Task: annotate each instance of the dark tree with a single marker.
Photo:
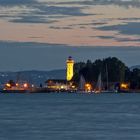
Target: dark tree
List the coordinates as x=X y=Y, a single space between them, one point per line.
x=112 y=69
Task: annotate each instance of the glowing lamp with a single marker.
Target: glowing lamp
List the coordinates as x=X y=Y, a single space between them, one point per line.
x=73 y=86
x=124 y=86
x=17 y=84
x=8 y=85
x=88 y=87
x=25 y=85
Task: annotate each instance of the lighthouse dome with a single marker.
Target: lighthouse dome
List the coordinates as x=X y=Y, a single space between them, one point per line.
x=70 y=58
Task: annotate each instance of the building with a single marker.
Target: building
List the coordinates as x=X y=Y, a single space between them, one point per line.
x=60 y=85
x=70 y=65
x=57 y=84
x=63 y=84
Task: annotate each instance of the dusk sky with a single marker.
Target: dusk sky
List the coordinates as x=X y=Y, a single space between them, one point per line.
x=41 y=34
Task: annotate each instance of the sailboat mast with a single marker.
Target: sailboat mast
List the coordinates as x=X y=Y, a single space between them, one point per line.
x=106 y=77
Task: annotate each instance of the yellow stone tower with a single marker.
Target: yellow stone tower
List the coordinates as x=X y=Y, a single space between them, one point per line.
x=70 y=64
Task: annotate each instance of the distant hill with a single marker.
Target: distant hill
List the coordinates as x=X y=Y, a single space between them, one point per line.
x=33 y=76
x=134 y=67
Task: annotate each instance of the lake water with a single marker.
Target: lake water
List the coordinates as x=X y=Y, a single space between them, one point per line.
x=69 y=117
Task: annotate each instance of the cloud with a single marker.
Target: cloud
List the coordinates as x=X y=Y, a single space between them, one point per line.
x=105 y=37
x=46 y=11
x=125 y=3
x=77 y=23
x=16 y=2
x=127 y=40
x=45 y=14
x=55 y=27
x=120 y=39
x=37 y=12
x=131 y=28
x=4 y=44
x=32 y=19
x=55 y=10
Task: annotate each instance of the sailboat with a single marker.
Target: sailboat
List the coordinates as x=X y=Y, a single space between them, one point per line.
x=82 y=82
x=107 y=90
x=98 y=88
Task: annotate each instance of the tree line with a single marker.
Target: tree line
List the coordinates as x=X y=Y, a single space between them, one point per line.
x=112 y=70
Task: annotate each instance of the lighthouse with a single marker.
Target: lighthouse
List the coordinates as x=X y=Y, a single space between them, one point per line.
x=70 y=65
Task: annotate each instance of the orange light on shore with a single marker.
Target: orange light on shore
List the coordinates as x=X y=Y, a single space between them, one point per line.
x=73 y=86
x=8 y=85
x=25 y=85
x=88 y=87
x=124 y=86
x=17 y=84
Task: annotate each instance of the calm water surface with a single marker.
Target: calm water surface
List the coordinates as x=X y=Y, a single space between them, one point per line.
x=69 y=117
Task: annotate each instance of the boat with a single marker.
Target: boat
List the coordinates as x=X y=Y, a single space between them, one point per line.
x=82 y=83
x=12 y=87
x=99 y=87
x=83 y=86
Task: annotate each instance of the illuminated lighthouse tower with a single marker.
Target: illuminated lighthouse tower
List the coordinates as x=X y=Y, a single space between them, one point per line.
x=70 y=64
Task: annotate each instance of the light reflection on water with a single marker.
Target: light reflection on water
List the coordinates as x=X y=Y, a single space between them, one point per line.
x=69 y=116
